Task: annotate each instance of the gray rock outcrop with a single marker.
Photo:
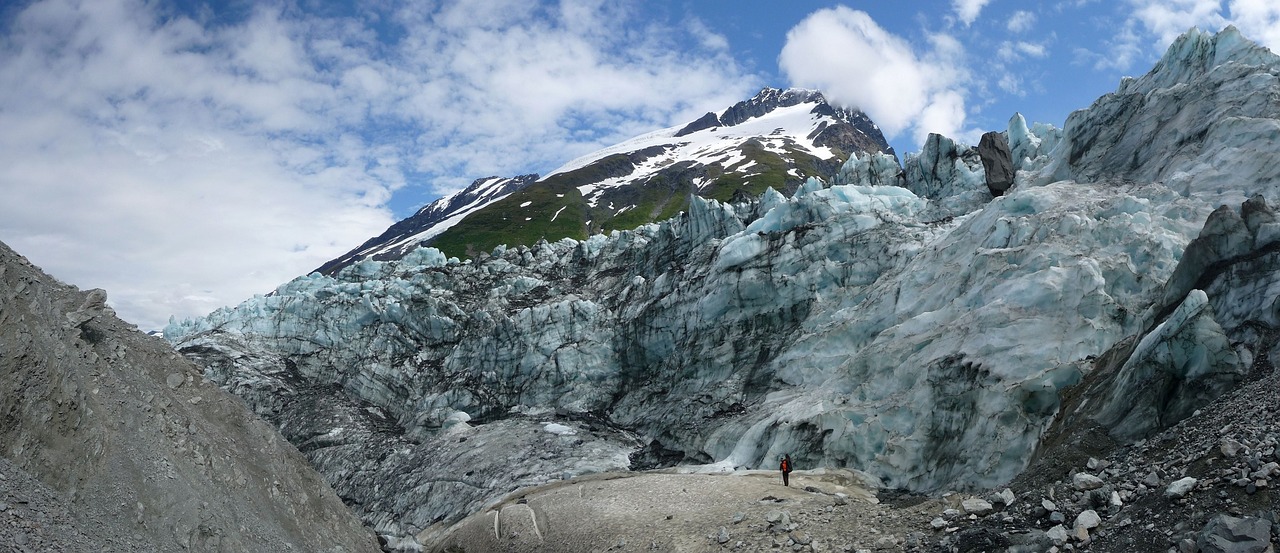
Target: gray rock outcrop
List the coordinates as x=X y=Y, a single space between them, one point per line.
x=997 y=161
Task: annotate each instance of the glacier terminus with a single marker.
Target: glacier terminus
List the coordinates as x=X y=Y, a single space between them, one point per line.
x=894 y=319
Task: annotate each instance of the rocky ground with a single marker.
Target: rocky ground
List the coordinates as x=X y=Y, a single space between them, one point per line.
x=36 y=518
x=1204 y=484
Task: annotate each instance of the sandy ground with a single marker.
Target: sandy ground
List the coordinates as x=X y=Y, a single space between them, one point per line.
x=665 y=511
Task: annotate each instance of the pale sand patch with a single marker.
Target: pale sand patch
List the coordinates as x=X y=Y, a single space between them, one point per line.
x=660 y=510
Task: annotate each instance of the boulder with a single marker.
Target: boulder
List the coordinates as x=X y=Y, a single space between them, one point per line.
x=1229 y=447
x=1088 y=520
x=1180 y=488
x=975 y=506
x=1005 y=497
x=1058 y=534
x=1085 y=481
x=993 y=149
x=1151 y=480
x=1228 y=534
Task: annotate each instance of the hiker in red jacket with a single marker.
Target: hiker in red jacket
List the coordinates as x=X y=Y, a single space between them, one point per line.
x=786 y=469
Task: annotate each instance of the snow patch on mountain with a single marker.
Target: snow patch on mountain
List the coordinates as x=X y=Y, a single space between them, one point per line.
x=486 y=193
x=779 y=130
x=432 y=220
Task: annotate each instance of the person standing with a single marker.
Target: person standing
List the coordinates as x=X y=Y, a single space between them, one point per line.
x=785 y=466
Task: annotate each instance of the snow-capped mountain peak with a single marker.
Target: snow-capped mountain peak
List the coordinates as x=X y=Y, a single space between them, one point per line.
x=792 y=116
x=776 y=139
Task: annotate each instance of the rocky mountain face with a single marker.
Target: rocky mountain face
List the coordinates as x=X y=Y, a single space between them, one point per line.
x=844 y=129
x=431 y=220
x=900 y=320
x=776 y=139
x=111 y=441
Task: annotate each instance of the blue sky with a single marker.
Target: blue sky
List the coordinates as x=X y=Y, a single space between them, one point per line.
x=185 y=155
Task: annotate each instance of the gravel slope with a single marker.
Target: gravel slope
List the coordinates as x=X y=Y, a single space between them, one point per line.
x=112 y=441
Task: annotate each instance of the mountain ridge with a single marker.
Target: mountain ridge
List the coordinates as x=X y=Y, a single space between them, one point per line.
x=641 y=180
x=424 y=224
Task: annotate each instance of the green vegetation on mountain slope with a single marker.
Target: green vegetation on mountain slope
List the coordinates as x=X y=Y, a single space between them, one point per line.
x=555 y=208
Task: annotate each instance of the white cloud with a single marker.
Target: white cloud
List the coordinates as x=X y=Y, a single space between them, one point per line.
x=1152 y=25
x=709 y=38
x=184 y=165
x=1021 y=21
x=553 y=73
x=857 y=63
x=1011 y=84
x=1031 y=49
x=1258 y=20
x=946 y=111
x=1120 y=53
x=1166 y=19
x=1016 y=50
x=968 y=10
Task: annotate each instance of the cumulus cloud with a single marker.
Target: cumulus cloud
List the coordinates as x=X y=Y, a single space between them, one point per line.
x=550 y=69
x=1021 y=21
x=1016 y=50
x=1011 y=84
x=1258 y=20
x=186 y=161
x=1120 y=53
x=968 y=10
x=1166 y=19
x=171 y=164
x=857 y=63
x=1151 y=25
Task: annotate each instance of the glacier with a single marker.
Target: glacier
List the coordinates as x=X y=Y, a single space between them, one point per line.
x=896 y=320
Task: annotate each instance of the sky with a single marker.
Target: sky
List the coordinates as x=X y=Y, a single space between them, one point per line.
x=186 y=155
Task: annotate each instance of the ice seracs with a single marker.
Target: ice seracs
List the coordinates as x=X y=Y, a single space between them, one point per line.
x=1196 y=123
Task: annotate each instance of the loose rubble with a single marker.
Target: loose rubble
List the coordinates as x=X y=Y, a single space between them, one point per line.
x=1203 y=485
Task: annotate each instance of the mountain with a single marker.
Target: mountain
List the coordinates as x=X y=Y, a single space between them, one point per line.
x=434 y=218
x=776 y=139
x=111 y=441
x=904 y=321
